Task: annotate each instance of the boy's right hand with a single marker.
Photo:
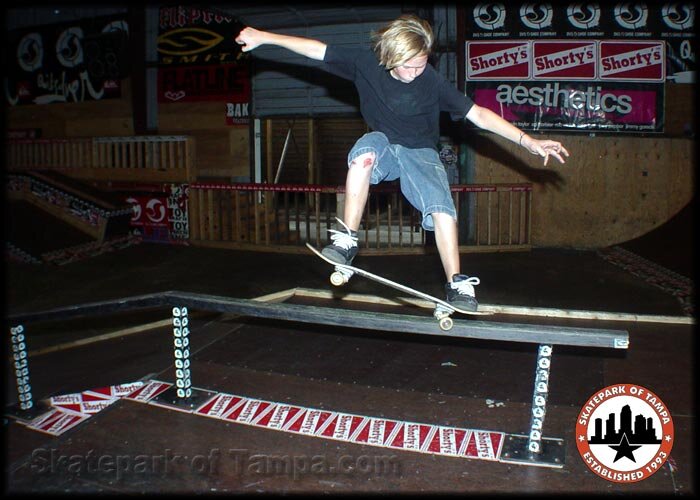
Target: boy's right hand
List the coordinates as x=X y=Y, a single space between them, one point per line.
x=249 y=38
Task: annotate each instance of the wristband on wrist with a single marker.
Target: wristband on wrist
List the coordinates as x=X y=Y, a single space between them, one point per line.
x=520 y=141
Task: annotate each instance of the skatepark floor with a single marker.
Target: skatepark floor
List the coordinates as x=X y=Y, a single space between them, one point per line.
x=483 y=384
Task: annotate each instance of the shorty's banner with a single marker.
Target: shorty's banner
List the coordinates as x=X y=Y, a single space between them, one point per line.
x=612 y=60
x=670 y=21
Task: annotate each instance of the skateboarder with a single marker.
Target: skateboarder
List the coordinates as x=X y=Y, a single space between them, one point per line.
x=401 y=97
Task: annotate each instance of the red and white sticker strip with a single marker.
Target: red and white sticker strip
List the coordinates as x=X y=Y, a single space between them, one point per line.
x=382 y=432
x=71 y=409
x=57 y=421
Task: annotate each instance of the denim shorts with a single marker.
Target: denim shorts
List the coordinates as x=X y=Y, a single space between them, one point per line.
x=422 y=175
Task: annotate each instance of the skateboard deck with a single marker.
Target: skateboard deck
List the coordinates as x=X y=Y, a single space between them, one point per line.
x=442 y=311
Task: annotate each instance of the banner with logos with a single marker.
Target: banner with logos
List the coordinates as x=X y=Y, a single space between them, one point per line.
x=204 y=83
x=159 y=213
x=198 y=60
x=76 y=61
x=578 y=66
x=588 y=85
x=670 y=21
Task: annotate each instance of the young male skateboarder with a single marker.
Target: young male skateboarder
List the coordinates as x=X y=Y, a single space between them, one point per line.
x=401 y=97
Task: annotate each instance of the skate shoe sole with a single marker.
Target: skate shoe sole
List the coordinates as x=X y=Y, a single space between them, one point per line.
x=467 y=303
x=335 y=256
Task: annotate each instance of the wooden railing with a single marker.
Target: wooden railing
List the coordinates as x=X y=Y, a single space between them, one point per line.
x=274 y=217
x=501 y=214
x=284 y=217
x=160 y=158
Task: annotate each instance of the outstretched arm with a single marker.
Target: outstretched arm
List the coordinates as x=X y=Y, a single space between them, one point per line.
x=250 y=38
x=488 y=120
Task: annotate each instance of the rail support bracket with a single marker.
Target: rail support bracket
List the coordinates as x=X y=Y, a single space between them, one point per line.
x=516 y=450
x=189 y=403
x=26 y=415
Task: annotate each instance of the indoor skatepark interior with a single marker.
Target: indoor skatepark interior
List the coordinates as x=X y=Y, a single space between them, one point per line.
x=168 y=331
x=133 y=445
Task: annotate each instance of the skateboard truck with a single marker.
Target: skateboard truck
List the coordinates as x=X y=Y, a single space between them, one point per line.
x=442 y=314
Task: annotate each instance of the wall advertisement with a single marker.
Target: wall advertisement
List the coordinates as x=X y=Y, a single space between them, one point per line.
x=79 y=61
x=198 y=60
x=586 y=66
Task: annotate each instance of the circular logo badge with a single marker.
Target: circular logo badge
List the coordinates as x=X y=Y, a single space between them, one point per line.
x=624 y=433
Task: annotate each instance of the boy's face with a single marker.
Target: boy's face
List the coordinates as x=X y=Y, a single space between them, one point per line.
x=411 y=69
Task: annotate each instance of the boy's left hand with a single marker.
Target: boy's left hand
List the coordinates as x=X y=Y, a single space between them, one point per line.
x=545 y=148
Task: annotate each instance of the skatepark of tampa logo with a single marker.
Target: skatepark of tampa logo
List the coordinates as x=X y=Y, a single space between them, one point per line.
x=624 y=433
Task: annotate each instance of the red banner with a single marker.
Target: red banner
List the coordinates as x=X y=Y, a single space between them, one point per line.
x=191 y=36
x=161 y=216
x=504 y=60
x=564 y=60
x=603 y=60
x=226 y=83
x=199 y=60
x=632 y=61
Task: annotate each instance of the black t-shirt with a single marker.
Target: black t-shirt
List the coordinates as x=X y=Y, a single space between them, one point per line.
x=407 y=113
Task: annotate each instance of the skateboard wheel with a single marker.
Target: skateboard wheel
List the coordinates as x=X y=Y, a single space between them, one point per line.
x=446 y=324
x=337 y=279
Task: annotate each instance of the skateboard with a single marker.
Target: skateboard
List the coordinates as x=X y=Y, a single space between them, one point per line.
x=442 y=312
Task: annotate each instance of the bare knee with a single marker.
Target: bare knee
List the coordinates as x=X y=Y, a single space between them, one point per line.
x=365 y=160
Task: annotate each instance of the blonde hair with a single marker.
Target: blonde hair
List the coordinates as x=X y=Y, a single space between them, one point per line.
x=401 y=40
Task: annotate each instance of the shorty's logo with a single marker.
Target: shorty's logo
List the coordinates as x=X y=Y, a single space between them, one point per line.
x=624 y=433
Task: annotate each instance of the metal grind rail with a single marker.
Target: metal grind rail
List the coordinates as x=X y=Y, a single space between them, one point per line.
x=530 y=449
